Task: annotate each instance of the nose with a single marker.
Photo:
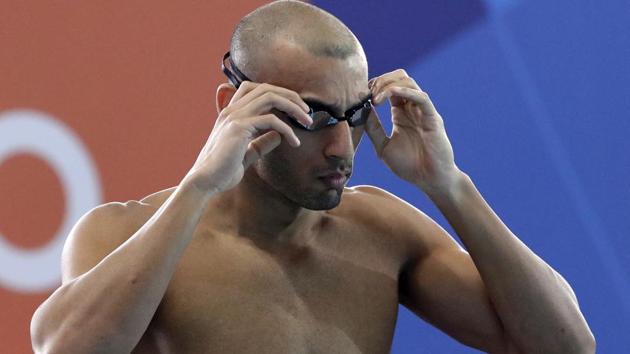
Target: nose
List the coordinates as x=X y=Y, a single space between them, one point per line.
x=338 y=141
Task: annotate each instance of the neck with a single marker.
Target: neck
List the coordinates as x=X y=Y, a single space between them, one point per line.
x=253 y=209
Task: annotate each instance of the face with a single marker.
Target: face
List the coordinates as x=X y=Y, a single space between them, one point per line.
x=303 y=174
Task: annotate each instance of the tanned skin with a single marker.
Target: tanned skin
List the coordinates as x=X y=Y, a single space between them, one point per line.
x=253 y=252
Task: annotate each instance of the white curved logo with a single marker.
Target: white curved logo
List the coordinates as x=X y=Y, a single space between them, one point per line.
x=33 y=132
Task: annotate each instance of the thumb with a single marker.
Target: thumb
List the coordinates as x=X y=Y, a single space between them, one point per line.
x=376 y=132
x=261 y=146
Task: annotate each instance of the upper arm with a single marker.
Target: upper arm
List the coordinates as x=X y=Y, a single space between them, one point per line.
x=440 y=283
x=94 y=236
x=445 y=288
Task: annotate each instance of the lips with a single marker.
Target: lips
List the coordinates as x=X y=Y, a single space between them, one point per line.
x=334 y=180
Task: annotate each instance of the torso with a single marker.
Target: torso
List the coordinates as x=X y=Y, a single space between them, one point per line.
x=339 y=294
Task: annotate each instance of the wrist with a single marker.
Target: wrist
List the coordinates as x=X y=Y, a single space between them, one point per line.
x=190 y=187
x=449 y=188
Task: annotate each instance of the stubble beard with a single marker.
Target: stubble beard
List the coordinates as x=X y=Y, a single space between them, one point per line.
x=281 y=176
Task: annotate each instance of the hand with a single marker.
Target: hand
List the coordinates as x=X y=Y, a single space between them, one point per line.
x=244 y=131
x=418 y=149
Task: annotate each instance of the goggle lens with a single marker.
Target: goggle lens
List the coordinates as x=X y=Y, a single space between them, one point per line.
x=322 y=119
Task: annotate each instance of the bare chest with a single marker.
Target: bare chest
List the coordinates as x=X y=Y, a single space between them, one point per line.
x=230 y=296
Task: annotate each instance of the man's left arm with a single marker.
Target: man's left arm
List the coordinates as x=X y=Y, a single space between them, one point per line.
x=536 y=307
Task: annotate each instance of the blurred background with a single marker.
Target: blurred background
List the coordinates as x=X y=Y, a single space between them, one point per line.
x=112 y=100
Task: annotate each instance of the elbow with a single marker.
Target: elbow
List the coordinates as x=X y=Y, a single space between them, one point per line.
x=48 y=334
x=582 y=343
x=41 y=338
x=39 y=333
x=52 y=342
x=47 y=348
x=53 y=333
x=576 y=341
x=585 y=339
x=51 y=346
x=44 y=336
x=587 y=343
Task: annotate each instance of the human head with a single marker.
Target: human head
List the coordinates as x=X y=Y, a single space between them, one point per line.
x=303 y=48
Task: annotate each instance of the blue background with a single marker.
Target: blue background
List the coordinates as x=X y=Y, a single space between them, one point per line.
x=536 y=103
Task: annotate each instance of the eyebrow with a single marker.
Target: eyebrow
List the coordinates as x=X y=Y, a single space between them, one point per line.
x=332 y=108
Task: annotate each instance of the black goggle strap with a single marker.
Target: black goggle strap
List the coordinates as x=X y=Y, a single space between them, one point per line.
x=235 y=76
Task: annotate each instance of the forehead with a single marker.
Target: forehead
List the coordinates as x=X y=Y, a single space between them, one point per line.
x=338 y=82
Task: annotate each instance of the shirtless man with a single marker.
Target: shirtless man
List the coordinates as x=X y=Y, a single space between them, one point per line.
x=257 y=251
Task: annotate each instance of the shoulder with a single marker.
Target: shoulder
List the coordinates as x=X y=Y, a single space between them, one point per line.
x=382 y=210
x=368 y=196
x=103 y=228
x=124 y=215
x=381 y=205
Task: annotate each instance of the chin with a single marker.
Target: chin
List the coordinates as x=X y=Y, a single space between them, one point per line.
x=323 y=201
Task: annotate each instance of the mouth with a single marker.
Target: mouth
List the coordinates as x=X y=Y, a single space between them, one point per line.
x=336 y=180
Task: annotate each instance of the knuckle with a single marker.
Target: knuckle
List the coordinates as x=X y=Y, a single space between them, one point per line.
x=269 y=95
x=225 y=112
x=223 y=117
x=246 y=85
x=243 y=88
x=294 y=95
x=235 y=124
x=230 y=124
x=268 y=118
x=401 y=72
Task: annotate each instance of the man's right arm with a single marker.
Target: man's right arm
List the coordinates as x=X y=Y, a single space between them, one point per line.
x=107 y=300
x=111 y=292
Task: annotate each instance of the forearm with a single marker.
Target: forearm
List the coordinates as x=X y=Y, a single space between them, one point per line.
x=108 y=308
x=536 y=307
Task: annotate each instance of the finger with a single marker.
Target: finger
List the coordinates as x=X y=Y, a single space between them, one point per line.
x=420 y=98
x=261 y=146
x=376 y=133
x=377 y=83
x=269 y=121
x=245 y=88
x=270 y=100
x=388 y=77
x=406 y=81
x=251 y=90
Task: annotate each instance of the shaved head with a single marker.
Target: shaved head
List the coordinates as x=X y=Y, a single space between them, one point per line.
x=289 y=24
x=299 y=47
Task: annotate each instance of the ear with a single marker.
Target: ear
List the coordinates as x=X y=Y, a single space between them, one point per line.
x=225 y=92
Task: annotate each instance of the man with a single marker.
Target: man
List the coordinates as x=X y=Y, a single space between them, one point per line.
x=262 y=249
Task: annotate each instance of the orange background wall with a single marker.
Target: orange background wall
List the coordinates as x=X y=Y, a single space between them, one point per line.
x=134 y=80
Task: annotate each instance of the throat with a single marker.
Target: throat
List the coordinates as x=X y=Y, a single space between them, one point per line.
x=269 y=222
